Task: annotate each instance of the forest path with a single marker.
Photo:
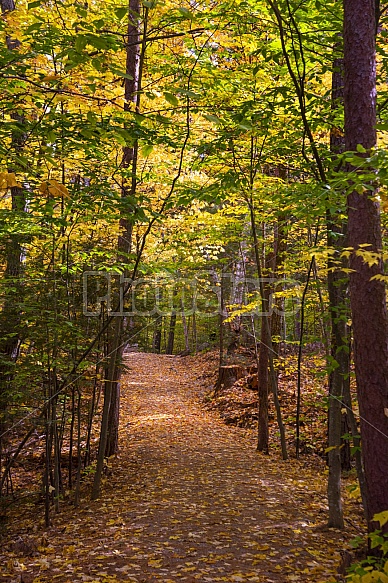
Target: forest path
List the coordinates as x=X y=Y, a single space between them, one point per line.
x=189 y=499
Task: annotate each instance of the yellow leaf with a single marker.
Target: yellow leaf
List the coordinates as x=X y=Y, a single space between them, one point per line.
x=53 y=188
x=111 y=522
x=381 y=517
x=69 y=550
x=51 y=77
x=354 y=491
x=8 y=180
x=155 y=563
x=11 y=180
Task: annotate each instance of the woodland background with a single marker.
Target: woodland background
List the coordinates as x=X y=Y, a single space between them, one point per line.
x=178 y=178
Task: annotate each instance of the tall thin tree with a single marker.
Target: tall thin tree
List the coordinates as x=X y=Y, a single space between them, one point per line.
x=110 y=419
x=12 y=284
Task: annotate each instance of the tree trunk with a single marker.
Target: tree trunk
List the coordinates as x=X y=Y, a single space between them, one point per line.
x=265 y=321
x=339 y=345
x=195 y=334
x=171 y=332
x=237 y=293
x=262 y=377
x=185 y=329
x=278 y=320
x=157 y=339
x=227 y=376
x=112 y=377
x=103 y=441
x=12 y=297
x=367 y=295
x=129 y=160
x=132 y=85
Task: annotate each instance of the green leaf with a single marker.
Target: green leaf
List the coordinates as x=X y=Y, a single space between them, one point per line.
x=91 y=117
x=51 y=137
x=34 y=4
x=121 y=12
x=33 y=27
x=162 y=119
x=186 y=13
x=98 y=42
x=80 y=43
x=81 y=11
x=86 y=133
x=360 y=148
x=146 y=150
x=96 y=64
x=189 y=93
x=212 y=118
x=121 y=73
x=171 y=98
x=99 y=23
x=139 y=118
x=245 y=126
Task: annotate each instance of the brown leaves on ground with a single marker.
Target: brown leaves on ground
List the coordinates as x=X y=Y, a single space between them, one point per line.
x=188 y=499
x=238 y=404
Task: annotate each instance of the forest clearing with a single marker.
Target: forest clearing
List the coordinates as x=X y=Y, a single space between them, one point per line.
x=186 y=499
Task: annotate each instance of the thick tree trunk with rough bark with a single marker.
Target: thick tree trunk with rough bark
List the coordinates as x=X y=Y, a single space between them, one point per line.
x=367 y=295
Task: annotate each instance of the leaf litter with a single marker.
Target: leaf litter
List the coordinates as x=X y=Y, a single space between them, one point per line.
x=187 y=499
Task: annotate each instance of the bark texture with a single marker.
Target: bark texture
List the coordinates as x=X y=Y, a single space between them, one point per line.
x=368 y=297
x=129 y=161
x=13 y=272
x=337 y=287
x=263 y=375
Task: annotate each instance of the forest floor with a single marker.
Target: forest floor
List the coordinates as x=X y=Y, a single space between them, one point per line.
x=187 y=499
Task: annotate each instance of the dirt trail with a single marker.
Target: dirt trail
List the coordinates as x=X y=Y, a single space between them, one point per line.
x=189 y=499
